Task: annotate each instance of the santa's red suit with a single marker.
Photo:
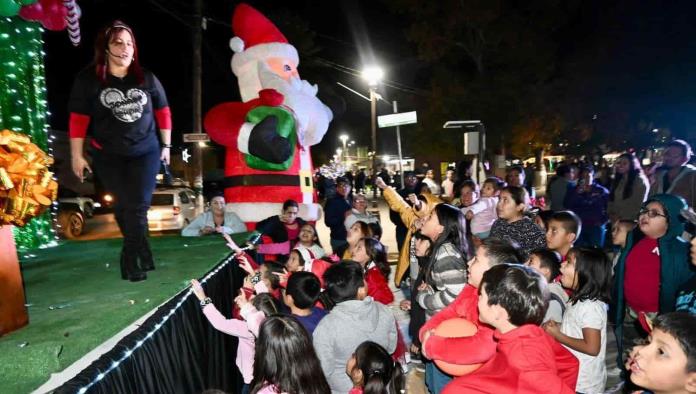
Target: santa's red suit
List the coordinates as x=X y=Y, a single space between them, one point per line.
x=263 y=172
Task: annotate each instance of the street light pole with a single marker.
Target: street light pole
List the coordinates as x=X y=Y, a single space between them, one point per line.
x=373 y=120
x=344 y=140
x=373 y=75
x=398 y=146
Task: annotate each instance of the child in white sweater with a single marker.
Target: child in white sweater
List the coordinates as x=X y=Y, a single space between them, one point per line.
x=482 y=213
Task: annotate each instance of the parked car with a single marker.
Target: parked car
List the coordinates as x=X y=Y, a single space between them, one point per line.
x=172 y=208
x=72 y=213
x=86 y=204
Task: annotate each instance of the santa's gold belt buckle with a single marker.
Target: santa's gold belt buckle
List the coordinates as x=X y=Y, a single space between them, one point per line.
x=306 y=184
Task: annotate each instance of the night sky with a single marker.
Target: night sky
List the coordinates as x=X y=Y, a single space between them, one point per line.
x=620 y=57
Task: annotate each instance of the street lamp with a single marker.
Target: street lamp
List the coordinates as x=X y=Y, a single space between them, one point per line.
x=373 y=74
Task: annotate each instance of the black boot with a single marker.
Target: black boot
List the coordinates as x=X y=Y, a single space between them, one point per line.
x=124 y=273
x=147 y=263
x=134 y=273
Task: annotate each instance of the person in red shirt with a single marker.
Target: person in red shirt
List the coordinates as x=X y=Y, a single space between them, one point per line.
x=513 y=299
x=495 y=375
x=372 y=256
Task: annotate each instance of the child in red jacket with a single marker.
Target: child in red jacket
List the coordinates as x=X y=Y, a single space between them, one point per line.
x=513 y=299
x=372 y=256
x=495 y=375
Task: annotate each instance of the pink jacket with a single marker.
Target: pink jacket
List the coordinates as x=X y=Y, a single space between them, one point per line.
x=484 y=214
x=246 y=330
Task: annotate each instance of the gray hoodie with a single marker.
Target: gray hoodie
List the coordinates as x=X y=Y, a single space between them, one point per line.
x=349 y=324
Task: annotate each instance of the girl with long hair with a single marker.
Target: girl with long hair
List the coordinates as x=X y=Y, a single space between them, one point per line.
x=372 y=256
x=444 y=275
x=372 y=371
x=588 y=273
x=285 y=360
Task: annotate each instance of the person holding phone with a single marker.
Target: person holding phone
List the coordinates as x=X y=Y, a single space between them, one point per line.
x=123 y=105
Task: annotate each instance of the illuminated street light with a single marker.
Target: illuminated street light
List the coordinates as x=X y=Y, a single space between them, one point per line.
x=372 y=74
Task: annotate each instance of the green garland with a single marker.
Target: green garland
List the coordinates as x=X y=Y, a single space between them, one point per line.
x=23 y=106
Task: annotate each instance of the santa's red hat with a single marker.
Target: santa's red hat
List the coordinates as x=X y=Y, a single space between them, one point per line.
x=256 y=38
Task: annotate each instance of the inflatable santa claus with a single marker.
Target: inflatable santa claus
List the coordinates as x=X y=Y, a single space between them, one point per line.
x=268 y=135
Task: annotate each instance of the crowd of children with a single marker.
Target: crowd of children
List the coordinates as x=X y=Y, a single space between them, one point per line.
x=541 y=307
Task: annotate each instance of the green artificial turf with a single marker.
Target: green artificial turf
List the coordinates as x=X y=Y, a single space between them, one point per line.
x=78 y=300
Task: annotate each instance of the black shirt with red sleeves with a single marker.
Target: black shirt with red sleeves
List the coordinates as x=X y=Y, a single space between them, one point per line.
x=121 y=111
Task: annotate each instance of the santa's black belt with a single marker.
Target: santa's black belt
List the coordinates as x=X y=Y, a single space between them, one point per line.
x=266 y=180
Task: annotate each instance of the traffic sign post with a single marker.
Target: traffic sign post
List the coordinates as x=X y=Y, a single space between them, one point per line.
x=196 y=137
x=398 y=119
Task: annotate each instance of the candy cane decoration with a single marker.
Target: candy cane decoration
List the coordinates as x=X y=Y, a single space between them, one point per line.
x=73 y=21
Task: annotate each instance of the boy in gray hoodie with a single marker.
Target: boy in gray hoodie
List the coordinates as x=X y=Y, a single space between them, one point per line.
x=356 y=318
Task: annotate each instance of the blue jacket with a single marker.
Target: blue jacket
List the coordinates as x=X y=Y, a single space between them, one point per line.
x=335 y=214
x=675 y=266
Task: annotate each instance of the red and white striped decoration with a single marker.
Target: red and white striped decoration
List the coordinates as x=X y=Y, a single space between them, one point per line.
x=73 y=19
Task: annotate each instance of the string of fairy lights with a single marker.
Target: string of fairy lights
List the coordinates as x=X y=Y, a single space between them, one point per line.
x=128 y=353
x=24 y=109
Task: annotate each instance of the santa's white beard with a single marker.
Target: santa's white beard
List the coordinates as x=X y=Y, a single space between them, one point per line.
x=313 y=117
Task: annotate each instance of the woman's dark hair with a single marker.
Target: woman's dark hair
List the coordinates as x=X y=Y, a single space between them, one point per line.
x=101 y=48
x=376 y=230
x=265 y=303
x=518 y=194
x=454 y=225
x=468 y=183
x=378 y=255
x=284 y=357
x=290 y=203
x=520 y=290
x=593 y=271
x=680 y=325
x=381 y=374
x=273 y=267
x=635 y=170
x=549 y=259
x=343 y=280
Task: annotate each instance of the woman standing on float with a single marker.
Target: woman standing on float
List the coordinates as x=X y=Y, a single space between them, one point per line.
x=122 y=105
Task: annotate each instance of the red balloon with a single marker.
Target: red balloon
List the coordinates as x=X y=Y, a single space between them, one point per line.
x=32 y=13
x=54 y=15
x=455 y=328
x=54 y=22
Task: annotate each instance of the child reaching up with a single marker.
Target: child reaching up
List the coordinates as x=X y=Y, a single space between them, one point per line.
x=370 y=254
x=372 y=371
x=254 y=313
x=584 y=329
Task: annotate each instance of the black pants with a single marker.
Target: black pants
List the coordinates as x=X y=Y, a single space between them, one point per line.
x=132 y=181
